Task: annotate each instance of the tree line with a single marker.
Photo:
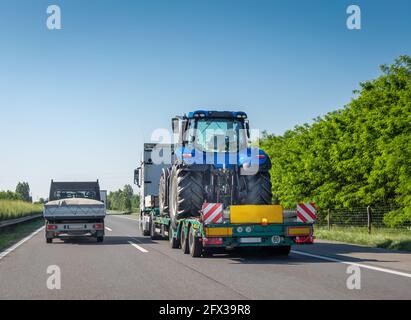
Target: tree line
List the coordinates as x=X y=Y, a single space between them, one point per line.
x=22 y=193
x=356 y=156
x=124 y=200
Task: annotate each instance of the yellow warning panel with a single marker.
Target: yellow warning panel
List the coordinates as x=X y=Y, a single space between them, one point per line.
x=256 y=214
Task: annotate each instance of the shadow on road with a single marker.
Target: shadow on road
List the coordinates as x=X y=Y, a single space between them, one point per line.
x=108 y=240
x=336 y=251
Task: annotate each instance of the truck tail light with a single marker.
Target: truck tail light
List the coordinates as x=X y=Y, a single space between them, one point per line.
x=98 y=226
x=212 y=241
x=304 y=239
x=51 y=227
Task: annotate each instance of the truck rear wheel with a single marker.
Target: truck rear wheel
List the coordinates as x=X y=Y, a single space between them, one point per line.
x=186 y=194
x=153 y=233
x=100 y=239
x=184 y=241
x=49 y=240
x=174 y=242
x=258 y=189
x=194 y=244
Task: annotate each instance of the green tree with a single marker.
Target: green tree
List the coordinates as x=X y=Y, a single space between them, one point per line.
x=23 y=190
x=357 y=156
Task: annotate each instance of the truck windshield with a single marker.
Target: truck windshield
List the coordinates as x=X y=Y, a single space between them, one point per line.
x=217 y=135
x=66 y=194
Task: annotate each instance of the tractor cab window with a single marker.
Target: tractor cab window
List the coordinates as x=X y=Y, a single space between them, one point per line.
x=216 y=135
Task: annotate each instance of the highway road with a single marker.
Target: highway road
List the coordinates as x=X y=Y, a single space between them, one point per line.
x=129 y=266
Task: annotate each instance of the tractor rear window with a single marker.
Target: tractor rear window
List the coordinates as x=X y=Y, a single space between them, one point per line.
x=218 y=135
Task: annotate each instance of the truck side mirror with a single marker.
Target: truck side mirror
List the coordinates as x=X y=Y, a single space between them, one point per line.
x=174 y=125
x=247 y=128
x=137 y=177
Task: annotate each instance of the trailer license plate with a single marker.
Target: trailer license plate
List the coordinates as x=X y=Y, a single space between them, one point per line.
x=250 y=240
x=75 y=226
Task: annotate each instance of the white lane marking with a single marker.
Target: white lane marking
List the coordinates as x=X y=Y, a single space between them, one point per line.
x=108 y=229
x=18 y=244
x=125 y=218
x=365 y=266
x=138 y=247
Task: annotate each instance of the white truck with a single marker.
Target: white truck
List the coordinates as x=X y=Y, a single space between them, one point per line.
x=74 y=209
x=156 y=157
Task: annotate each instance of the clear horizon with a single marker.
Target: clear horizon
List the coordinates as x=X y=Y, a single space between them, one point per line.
x=78 y=103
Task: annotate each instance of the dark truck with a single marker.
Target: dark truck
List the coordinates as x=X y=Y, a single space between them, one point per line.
x=74 y=209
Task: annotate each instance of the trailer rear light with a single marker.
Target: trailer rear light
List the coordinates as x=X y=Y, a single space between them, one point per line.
x=304 y=239
x=264 y=221
x=98 y=226
x=51 y=227
x=212 y=241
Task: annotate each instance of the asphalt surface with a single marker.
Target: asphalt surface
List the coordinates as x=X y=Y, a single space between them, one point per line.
x=129 y=266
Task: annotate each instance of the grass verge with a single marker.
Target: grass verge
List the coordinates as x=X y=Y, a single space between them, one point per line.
x=379 y=238
x=11 y=235
x=13 y=209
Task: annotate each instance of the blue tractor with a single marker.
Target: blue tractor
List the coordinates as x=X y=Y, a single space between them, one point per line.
x=214 y=163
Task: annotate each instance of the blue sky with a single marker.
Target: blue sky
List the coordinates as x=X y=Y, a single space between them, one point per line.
x=78 y=103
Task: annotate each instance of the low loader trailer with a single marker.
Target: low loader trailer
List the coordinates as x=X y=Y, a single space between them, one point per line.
x=236 y=227
x=211 y=189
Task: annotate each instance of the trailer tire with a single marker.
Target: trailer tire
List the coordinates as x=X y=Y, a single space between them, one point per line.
x=258 y=189
x=49 y=240
x=184 y=241
x=186 y=194
x=194 y=244
x=174 y=242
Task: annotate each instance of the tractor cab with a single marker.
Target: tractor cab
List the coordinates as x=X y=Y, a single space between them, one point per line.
x=213 y=131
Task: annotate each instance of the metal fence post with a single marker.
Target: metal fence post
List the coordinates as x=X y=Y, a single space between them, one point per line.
x=328 y=220
x=369 y=219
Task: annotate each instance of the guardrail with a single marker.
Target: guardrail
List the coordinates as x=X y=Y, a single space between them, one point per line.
x=11 y=222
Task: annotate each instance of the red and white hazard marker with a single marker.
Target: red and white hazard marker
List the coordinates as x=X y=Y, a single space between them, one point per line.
x=212 y=213
x=306 y=212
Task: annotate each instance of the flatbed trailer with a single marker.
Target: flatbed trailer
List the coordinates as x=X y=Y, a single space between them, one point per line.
x=197 y=238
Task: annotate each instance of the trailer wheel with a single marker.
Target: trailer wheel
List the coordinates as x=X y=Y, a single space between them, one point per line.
x=49 y=240
x=174 y=243
x=258 y=189
x=184 y=241
x=194 y=244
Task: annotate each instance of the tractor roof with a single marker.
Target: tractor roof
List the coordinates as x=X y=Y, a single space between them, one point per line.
x=216 y=114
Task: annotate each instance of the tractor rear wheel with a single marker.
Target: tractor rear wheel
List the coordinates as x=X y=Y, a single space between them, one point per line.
x=186 y=194
x=258 y=189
